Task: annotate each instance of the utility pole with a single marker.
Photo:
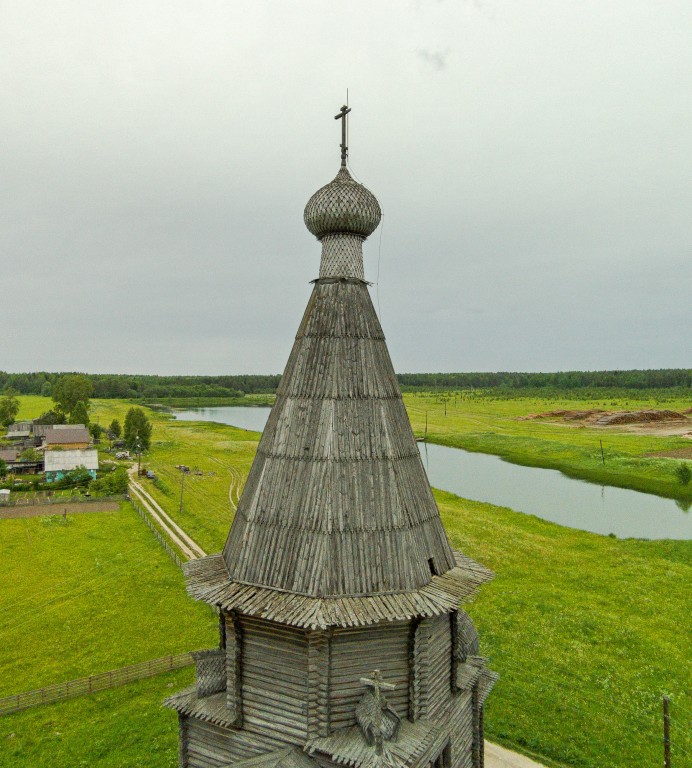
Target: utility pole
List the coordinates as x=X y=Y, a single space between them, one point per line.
x=139 y=457
x=666 y=732
x=182 y=486
x=602 y=456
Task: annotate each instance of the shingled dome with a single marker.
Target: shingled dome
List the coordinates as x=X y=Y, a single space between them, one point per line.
x=342 y=206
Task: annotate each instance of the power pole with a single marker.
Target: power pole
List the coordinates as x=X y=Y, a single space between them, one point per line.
x=666 y=732
x=182 y=488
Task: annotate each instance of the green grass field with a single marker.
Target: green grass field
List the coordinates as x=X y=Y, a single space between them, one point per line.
x=586 y=631
x=87 y=594
x=122 y=728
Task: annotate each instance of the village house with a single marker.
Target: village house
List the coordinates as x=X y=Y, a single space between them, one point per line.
x=20 y=430
x=67 y=437
x=57 y=463
x=11 y=458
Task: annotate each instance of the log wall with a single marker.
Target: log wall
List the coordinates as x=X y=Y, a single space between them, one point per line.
x=355 y=653
x=431 y=659
x=275 y=679
x=210 y=746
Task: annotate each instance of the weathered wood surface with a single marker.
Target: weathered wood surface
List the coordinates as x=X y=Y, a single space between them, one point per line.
x=208 y=580
x=210 y=671
x=232 y=638
x=337 y=565
x=319 y=682
x=355 y=654
x=337 y=501
x=214 y=746
x=275 y=680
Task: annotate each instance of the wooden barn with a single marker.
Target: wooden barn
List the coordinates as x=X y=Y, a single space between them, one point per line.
x=342 y=639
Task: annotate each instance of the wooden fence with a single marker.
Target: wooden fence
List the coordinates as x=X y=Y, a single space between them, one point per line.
x=175 y=557
x=93 y=683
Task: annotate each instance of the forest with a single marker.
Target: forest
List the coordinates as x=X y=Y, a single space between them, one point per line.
x=150 y=388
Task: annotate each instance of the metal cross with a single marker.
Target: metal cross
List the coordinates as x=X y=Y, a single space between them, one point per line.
x=342 y=116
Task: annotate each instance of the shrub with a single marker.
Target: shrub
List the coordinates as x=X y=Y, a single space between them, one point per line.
x=683 y=473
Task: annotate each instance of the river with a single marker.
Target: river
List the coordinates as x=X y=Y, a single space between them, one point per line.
x=546 y=493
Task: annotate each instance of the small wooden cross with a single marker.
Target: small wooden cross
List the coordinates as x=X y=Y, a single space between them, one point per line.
x=378 y=685
x=376 y=682
x=342 y=116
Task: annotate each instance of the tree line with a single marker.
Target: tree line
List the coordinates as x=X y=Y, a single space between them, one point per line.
x=148 y=388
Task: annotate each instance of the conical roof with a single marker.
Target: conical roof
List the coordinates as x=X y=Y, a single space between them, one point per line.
x=337 y=502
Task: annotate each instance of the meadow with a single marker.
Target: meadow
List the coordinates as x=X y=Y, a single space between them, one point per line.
x=586 y=631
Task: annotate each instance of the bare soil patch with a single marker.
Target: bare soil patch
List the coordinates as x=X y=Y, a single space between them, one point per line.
x=678 y=453
x=652 y=422
x=41 y=510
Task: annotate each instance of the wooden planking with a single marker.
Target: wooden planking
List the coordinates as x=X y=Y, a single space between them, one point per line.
x=182 y=742
x=275 y=680
x=355 y=653
x=211 y=746
x=440 y=669
x=233 y=635
x=432 y=668
x=319 y=682
x=461 y=730
x=337 y=501
x=205 y=581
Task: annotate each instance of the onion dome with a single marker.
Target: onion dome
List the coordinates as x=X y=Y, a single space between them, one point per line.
x=342 y=207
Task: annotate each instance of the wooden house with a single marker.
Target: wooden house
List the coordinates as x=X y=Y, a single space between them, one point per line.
x=19 y=430
x=342 y=639
x=57 y=463
x=67 y=437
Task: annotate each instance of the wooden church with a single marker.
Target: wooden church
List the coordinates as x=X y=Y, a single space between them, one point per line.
x=342 y=640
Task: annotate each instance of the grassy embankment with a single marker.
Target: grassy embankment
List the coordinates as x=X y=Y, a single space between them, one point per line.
x=586 y=631
x=492 y=425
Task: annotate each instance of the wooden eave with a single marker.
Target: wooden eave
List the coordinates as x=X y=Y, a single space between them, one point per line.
x=417 y=744
x=208 y=580
x=212 y=709
x=291 y=757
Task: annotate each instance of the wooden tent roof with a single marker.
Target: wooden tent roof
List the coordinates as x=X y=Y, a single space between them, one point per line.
x=337 y=502
x=337 y=524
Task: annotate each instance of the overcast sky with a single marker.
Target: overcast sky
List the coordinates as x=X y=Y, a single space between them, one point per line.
x=533 y=161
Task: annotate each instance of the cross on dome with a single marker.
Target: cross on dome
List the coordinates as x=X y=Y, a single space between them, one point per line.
x=344 y=148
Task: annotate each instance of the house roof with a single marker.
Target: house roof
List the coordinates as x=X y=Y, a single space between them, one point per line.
x=67 y=435
x=19 y=429
x=65 y=461
x=9 y=454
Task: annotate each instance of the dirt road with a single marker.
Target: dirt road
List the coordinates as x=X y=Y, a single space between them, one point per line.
x=40 y=510
x=175 y=533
